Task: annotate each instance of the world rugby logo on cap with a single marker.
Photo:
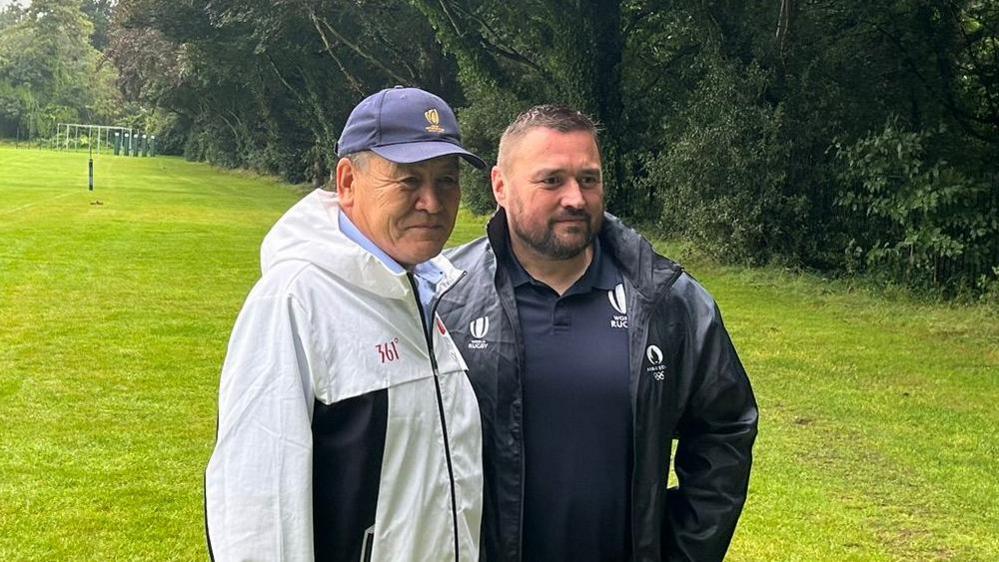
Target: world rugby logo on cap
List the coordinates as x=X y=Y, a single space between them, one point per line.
x=434 y=119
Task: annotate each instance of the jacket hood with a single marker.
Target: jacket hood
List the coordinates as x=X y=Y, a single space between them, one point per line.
x=310 y=232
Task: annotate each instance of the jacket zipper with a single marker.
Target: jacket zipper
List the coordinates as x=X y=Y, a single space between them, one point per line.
x=428 y=334
x=523 y=461
x=634 y=400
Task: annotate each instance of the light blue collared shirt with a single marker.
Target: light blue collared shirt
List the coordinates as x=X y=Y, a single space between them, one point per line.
x=427 y=274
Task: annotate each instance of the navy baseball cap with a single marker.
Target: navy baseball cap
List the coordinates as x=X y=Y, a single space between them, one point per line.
x=404 y=125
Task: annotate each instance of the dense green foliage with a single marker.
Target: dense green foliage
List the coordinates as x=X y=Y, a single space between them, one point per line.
x=926 y=218
x=755 y=144
x=49 y=70
x=840 y=135
x=267 y=84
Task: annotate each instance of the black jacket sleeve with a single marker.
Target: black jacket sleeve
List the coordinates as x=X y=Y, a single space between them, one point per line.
x=716 y=432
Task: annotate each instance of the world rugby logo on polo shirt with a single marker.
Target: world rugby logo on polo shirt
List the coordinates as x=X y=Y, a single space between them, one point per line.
x=479 y=328
x=656 y=367
x=620 y=305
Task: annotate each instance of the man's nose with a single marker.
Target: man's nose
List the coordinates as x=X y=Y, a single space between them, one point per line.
x=429 y=200
x=572 y=195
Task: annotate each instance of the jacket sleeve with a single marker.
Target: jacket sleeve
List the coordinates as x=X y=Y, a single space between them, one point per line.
x=716 y=434
x=258 y=485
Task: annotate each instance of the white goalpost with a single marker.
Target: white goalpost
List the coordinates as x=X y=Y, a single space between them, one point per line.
x=99 y=137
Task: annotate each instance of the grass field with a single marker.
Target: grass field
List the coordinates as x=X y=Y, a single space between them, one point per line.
x=878 y=437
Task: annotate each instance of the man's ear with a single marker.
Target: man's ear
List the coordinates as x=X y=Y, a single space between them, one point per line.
x=499 y=186
x=345 y=176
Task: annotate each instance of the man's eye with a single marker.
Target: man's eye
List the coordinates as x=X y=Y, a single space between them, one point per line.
x=448 y=181
x=410 y=182
x=552 y=181
x=589 y=181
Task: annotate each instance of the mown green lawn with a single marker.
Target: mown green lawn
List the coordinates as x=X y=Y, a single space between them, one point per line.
x=878 y=428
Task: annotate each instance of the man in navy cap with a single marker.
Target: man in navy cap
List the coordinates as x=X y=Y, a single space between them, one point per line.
x=347 y=428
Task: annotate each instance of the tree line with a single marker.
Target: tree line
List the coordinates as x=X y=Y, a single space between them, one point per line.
x=841 y=135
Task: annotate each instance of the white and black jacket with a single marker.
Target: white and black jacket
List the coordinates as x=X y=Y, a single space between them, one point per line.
x=346 y=430
x=686 y=383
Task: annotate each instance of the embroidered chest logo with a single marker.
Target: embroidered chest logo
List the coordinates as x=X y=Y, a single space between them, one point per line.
x=479 y=328
x=388 y=352
x=620 y=305
x=656 y=367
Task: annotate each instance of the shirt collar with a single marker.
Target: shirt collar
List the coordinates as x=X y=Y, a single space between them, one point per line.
x=426 y=270
x=605 y=271
x=518 y=275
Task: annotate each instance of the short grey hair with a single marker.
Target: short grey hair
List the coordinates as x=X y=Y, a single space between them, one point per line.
x=560 y=118
x=360 y=159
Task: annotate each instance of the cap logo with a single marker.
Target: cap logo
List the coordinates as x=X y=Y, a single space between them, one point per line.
x=434 y=119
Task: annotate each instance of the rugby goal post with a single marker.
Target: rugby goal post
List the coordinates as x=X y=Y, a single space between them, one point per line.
x=70 y=136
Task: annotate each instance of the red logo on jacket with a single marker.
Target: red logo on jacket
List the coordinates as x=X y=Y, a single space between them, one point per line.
x=388 y=351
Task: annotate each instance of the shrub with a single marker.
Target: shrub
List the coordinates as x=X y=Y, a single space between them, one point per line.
x=721 y=180
x=922 y=222
x=481 y=127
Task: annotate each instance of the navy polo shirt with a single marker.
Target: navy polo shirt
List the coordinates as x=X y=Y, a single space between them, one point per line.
x=577 y=415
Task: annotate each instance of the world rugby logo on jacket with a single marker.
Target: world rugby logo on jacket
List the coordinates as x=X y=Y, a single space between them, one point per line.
x=619 y=303
x=479 y=328
x=656 y=366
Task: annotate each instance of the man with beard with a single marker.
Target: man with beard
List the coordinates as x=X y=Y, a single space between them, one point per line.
x=589 y=353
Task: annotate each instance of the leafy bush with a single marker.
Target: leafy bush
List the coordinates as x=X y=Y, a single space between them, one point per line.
x=481 y=127
x=721 y=181
x=920 y=221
